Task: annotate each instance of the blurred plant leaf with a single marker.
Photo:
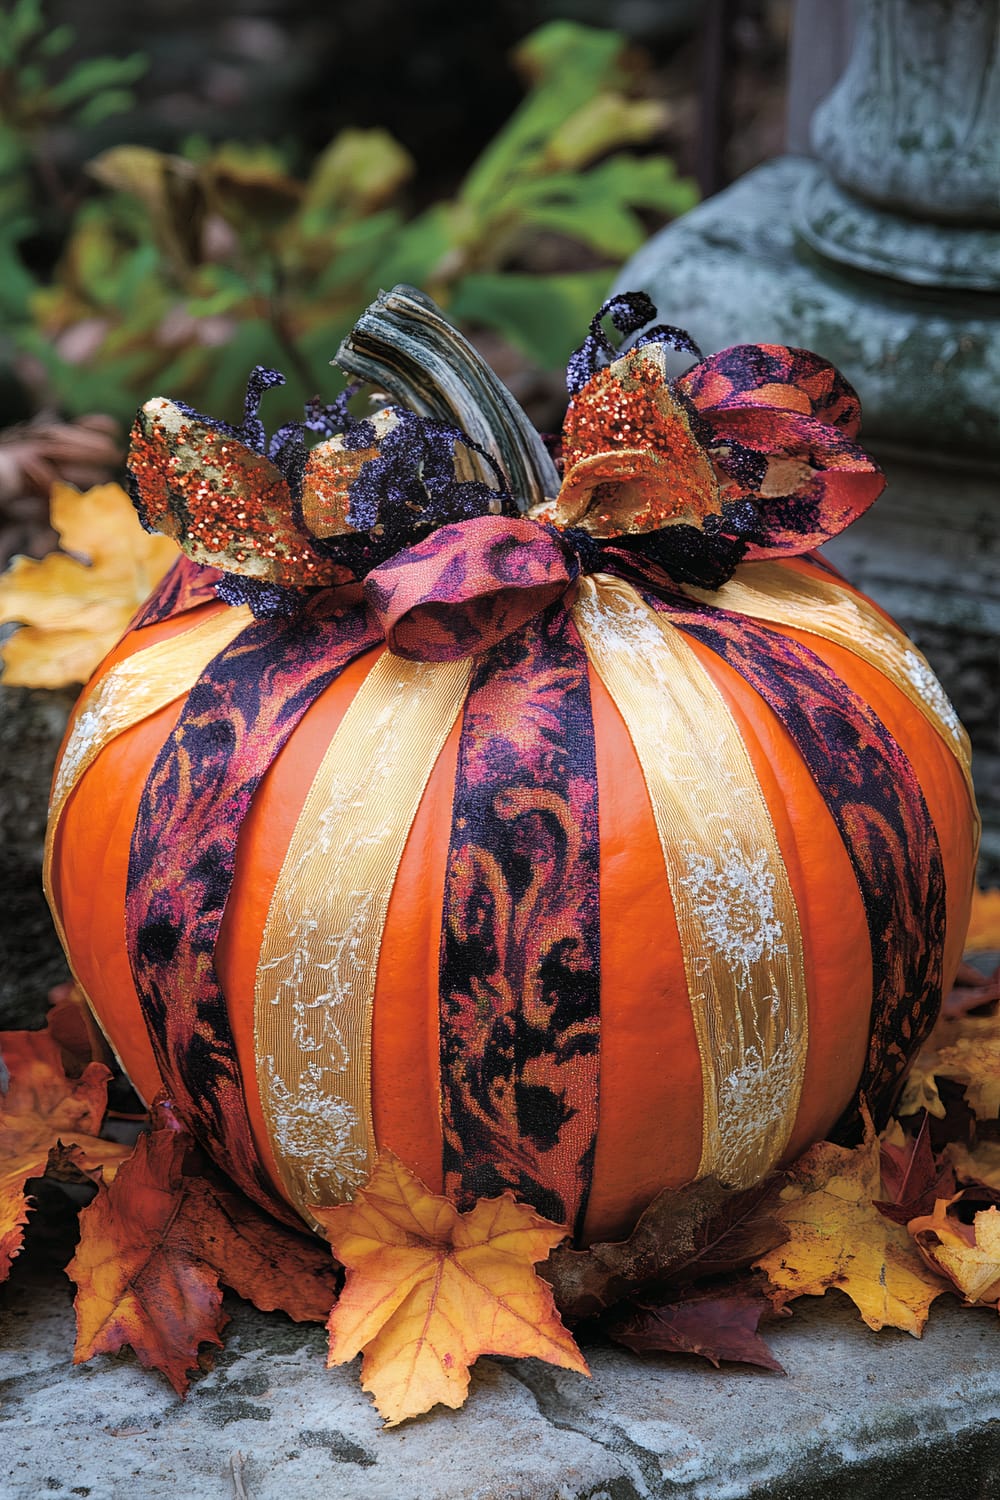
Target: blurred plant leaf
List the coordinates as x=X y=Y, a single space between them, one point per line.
x=190 y=269
x=358 y=172
x=542 y=315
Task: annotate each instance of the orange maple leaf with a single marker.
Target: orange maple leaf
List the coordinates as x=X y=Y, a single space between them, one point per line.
x=984 y=921
x=429 y=1289
x=968 y=1254
x=839 y=1239
x=42 y=1109
x=72 y=612
x=155 y=1246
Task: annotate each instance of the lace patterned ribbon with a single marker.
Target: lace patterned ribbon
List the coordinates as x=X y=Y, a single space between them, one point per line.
x=733 y=901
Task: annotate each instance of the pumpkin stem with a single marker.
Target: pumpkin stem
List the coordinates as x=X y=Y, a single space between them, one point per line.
x=404 y=344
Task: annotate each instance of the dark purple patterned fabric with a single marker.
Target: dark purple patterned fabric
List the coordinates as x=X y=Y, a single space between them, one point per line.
x=520 y=959
x=235 y=720
x=185 y=586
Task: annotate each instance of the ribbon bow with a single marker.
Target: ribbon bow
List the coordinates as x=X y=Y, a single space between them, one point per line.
x=748 y=455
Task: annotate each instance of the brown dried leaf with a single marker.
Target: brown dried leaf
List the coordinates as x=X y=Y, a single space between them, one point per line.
x=720 y=1326
x=139 y=1276
x=703 y=1229
x=912 y=1177
x=261 y=1260
x=41 y=1109
x=155 y=1246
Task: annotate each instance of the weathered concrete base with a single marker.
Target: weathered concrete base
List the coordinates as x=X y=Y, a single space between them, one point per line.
x=860 y=1415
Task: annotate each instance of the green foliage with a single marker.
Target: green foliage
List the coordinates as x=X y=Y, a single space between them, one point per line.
x=186 y=270
x=31 y=101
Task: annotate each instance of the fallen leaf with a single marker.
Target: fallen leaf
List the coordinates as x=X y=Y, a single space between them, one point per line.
x=912 y=1177
x=430 y=1289
x=920 y=1090
x=976 y=1061
x=40 y=1109
x=71 y=611
x=973 y=1060
x=984 y=922
x=968 y=1254
x=978 y=1163
x=155 y=1245
x=717 y=1327
x=703 y=1229
x=72 y=1026
x=261 y=1260
x=838 y=1238
x=139 y=1277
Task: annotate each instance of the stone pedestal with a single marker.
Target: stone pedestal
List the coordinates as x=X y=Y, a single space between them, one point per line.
x=884 y=256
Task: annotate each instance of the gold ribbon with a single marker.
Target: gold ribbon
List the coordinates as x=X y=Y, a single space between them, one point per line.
x=132 y=690
x=318 y=962
x=820 y=606
x=734 y=905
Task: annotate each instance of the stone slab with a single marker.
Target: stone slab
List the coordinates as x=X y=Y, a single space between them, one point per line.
x=860 y=1415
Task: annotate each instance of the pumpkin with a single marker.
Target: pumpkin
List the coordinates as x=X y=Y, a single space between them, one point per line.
x=581 y=837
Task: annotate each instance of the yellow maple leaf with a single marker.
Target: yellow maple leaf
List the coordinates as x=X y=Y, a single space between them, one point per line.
x=965 y=1049
x=984 y=921
x=980 y=1163
x=839 y=1239
x=968 y=1254
x=973 y=1060
x=72 y=612
x=429 y=1289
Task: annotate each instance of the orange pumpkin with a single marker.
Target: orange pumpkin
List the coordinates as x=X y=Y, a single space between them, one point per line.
x=618 y=881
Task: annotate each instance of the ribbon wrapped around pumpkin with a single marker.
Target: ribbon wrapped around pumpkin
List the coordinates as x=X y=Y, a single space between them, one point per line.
x=749 y=454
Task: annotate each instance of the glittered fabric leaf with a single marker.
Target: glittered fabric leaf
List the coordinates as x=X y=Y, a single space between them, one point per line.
x=467 y=586
x=226 y=504
x=632 y=462
x=388 y=482
x=813 y=482
x=520 y=960
x=233 y=724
